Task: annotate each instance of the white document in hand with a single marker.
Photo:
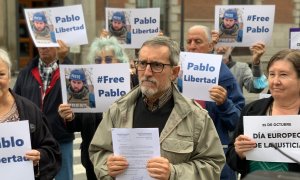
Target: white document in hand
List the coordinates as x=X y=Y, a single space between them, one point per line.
x=137 y=145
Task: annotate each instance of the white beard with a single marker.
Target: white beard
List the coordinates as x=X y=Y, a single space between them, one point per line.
x=148 y=92
x=151 y=92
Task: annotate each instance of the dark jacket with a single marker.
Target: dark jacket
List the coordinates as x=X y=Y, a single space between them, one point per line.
x=29 y=85
x=226 y=116
x=86 y=123
x=41 y=138
x=256 y=108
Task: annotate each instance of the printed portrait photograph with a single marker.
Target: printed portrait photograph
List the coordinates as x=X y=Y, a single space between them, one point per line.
x=41 y=26
x=230 y=25
x=119 y=26
x=80 y=90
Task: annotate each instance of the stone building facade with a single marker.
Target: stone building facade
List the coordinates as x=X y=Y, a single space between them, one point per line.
x=287 y=14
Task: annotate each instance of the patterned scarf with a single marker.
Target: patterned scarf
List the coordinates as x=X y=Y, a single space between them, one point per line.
x=46 y=72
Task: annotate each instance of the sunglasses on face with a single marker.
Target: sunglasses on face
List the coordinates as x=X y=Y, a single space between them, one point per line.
x=107 y=60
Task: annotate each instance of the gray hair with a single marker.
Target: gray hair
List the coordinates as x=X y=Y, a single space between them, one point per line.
x=107 y=44
x=290 y=55
x=206 y=30
x=4 y=57
x=174 y=49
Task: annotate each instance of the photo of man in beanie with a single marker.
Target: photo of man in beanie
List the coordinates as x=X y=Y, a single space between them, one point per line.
x=40 y=26
x=77 y=89
x=117 y=27
x=230 y=28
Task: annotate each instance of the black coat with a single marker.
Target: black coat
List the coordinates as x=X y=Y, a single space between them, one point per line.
x=29 y=85
x=41 y=138
x=256 y=108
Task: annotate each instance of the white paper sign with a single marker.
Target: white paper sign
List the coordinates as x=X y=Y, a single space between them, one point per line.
x=141 y=24
x=137 y=145
x=283 y=131
x=47 y=25
x=244 y=25
x=95 y=87
x=15 y=142
x=294 y=38
x=200 y=73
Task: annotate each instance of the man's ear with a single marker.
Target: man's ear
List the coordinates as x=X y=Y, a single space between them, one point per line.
x=175 y=72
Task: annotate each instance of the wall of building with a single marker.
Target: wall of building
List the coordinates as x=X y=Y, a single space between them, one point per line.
x=195 y=12
x=8 y=31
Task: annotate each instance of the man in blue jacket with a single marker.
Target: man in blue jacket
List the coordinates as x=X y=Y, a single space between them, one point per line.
x=39 y=82
x=229 y=100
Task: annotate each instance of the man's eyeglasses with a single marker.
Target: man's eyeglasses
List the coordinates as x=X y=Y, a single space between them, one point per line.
x=155 y=66
x=107 y=59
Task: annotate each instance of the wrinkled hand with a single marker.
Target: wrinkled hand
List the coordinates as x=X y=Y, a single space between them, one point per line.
x=34 y=156
x=214 y=37
x=258 y=49
x=104 y=34
x=116 y=165
x=243 y=144
x=159 y=168
x=218 y=94
x=223 y=50
x=62 y=50
x=65 y=112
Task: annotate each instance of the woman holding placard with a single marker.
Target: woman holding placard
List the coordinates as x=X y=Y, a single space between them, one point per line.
x=103 y=50
x=284 y=83
x=45 y=153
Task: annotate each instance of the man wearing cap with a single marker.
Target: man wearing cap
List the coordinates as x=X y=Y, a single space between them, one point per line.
x=230 y=30
x=40 y=26
x=78 y=92
x=117 y=28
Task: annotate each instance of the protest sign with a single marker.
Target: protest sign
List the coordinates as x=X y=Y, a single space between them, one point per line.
x=132 y=27
x=267 y=131
x=47 y=25
x=15 y=142
x=244 y=25
x=93 y=88
x=200 y=73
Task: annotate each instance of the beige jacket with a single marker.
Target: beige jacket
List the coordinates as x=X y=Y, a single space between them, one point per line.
x=189 y=139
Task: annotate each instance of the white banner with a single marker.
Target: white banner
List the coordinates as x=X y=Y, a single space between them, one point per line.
x=244 y=25
x=47 y=25
x=95 y=86
x=141 y=24
x=294 y=38
x=282 y=131
x=200 y=74
x=14 y=143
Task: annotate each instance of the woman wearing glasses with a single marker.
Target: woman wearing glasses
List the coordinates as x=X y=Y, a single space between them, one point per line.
x=102 y=51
